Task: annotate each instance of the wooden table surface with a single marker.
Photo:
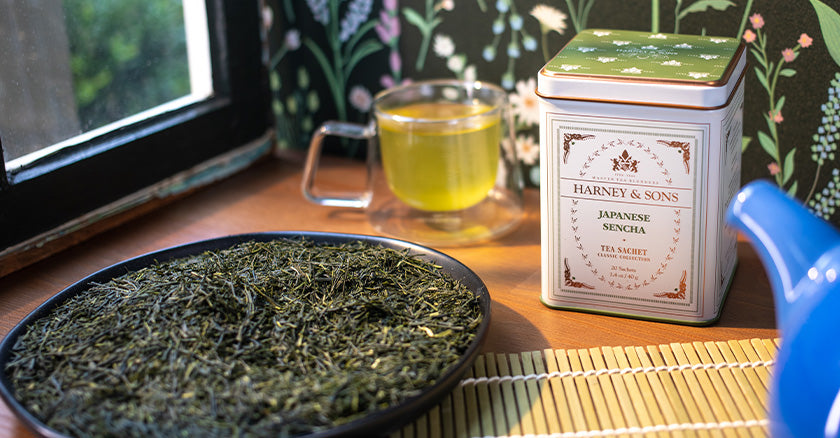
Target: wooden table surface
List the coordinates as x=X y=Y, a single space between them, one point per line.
x=267 y=197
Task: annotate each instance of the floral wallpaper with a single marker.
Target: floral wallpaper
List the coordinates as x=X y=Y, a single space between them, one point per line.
x=329 y=57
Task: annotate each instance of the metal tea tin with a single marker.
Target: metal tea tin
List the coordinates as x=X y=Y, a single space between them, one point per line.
x=640 y=153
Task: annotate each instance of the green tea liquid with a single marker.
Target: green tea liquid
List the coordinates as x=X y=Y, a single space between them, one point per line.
x=445 y=162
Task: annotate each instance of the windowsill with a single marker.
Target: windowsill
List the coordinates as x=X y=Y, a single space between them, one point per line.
x=134 y=205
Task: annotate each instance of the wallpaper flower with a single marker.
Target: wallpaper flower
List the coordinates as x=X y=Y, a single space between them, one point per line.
x=330 y=57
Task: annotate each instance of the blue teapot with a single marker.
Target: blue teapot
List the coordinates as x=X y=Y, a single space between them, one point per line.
x=801 y=254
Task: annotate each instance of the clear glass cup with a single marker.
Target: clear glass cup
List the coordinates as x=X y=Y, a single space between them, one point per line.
x=442 y=167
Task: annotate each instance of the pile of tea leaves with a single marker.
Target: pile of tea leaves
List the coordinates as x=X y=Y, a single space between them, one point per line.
x=275 y=338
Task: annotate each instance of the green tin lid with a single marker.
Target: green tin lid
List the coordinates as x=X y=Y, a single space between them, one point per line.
x=643 y=67
x=645 y=55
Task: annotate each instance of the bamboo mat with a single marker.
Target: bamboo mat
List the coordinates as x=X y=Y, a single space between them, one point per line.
x=692 y=389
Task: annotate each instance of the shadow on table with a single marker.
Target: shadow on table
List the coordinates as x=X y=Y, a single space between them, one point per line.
x=512 y=332
x=750 y=300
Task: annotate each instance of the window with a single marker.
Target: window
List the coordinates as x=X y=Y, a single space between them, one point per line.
x=100 y=141
x=108 y=65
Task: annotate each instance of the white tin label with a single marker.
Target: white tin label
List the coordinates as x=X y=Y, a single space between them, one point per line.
x=625 y=213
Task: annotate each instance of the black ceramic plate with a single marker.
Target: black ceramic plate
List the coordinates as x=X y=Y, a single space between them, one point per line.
x=376 y=424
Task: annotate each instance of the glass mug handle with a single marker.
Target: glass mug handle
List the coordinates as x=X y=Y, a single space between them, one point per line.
x=344 y=199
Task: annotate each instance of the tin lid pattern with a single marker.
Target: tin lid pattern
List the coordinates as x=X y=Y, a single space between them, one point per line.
x=644 y=67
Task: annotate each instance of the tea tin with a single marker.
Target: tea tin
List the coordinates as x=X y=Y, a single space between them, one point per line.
x=640 y=154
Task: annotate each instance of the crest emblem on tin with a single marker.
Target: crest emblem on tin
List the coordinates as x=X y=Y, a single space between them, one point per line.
x=626 y=163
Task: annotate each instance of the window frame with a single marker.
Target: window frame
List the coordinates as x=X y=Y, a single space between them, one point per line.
x=44 y=196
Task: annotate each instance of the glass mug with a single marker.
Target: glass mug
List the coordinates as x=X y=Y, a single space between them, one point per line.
x=442 y=167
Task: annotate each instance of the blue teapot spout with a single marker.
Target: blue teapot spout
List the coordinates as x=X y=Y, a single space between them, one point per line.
x=788 y=238
x=801 y=256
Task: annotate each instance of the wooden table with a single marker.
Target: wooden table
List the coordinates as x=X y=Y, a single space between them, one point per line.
x=267 y=197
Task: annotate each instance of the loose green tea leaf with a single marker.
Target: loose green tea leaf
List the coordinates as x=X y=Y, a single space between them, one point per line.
x=276 y=338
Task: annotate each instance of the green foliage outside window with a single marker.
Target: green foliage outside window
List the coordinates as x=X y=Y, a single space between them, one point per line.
x=126 y=56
